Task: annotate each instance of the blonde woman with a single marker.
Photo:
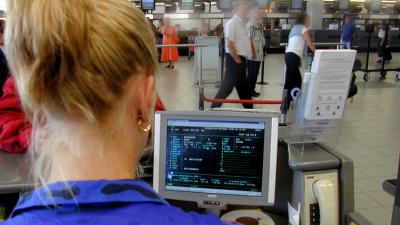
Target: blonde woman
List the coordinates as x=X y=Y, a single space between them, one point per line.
x=85 y=70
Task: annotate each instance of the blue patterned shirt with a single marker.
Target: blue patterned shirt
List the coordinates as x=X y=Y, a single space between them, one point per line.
x=120 y=202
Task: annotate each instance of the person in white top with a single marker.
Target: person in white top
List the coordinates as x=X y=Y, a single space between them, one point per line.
x=236 y=48
x=257 y=43
x=299 y=37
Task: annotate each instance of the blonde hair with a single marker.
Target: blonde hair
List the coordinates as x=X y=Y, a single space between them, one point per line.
x=73 y=58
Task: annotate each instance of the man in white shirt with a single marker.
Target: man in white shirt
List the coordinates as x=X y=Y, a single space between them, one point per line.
x=237 y=48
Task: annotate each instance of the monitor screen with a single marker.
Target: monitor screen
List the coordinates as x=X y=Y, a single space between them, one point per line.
x=225 y=4
x=216 y=158
x=186 y=4
x=224 y=157
x=296 y=4
x=344 y=4
x=262 y=4
x=376 y=5
x=148 y=4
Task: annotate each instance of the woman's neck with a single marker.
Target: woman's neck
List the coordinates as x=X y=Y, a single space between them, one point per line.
x=93 y=167
x=93 y=156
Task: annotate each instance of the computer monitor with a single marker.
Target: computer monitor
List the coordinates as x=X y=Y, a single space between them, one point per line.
x=376 y=5
x=225 y=5
x=186 y=4
x=296 y=4
x=216 y=158
x=262 y=4
x=148 y=4
x=344 y=4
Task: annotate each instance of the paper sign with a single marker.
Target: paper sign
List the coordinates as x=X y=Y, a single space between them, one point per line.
x=329 y=84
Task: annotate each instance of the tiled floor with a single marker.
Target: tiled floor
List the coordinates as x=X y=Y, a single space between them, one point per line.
x=369 y=133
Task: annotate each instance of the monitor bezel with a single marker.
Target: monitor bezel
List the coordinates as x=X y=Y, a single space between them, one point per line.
x=218 y=200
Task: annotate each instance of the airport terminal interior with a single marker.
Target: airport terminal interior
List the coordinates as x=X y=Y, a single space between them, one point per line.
x=354 y=150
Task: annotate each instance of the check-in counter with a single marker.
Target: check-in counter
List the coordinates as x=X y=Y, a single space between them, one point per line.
x=327 y=36
x=14 y=179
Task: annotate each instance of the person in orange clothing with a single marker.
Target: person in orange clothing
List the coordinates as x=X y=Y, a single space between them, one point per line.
x=170 y=37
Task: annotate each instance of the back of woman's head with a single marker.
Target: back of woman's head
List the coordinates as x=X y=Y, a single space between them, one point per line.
x=71 y=58
x=74 y=60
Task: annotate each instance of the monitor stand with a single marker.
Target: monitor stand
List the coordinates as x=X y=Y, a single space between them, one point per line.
x=213 y=211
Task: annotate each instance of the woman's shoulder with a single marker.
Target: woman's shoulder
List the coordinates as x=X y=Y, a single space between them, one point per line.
x=169 y=215
x=141 y=214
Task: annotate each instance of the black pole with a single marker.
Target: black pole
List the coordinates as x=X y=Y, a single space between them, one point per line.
x=384 y=44
x=396 y=206
x=368 y=49
x=262 y=74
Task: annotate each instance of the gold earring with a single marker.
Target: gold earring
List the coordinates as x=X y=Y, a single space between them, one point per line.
x=144 y=126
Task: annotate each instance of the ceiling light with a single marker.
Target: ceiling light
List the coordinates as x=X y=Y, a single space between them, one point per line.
x=177 y=16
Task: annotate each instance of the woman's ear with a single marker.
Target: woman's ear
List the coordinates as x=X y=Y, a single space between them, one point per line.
x=145 y=97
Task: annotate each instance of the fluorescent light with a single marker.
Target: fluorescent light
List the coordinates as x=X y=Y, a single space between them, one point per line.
x=358 y=1
x=388 y=1
x=177 y=16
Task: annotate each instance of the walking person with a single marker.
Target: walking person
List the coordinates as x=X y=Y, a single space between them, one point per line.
x=383 y=52
x=299 y=37
x=257 y=43
x=170 y=37
x=236 y=50
x=347 y=33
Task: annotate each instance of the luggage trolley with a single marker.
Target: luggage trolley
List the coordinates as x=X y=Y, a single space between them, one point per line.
x=366 y=41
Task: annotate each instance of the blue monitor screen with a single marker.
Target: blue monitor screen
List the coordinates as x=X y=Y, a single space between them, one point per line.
x=221 y=157
x=148 y=4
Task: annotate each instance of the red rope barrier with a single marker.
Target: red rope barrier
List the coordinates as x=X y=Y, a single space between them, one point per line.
x=234 y=101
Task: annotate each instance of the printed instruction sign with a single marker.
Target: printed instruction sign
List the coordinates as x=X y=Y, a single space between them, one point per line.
x=328 y=87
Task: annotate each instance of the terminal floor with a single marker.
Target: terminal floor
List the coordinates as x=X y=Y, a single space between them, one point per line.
x=369 y=134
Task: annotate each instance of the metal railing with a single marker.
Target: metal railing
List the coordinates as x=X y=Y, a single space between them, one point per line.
x=321 y=44
x=181 y=46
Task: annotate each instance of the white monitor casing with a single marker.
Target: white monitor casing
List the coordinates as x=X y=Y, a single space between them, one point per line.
x=213 y=200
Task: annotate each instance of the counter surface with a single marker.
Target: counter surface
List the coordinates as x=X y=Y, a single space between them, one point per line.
x=14 y=173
